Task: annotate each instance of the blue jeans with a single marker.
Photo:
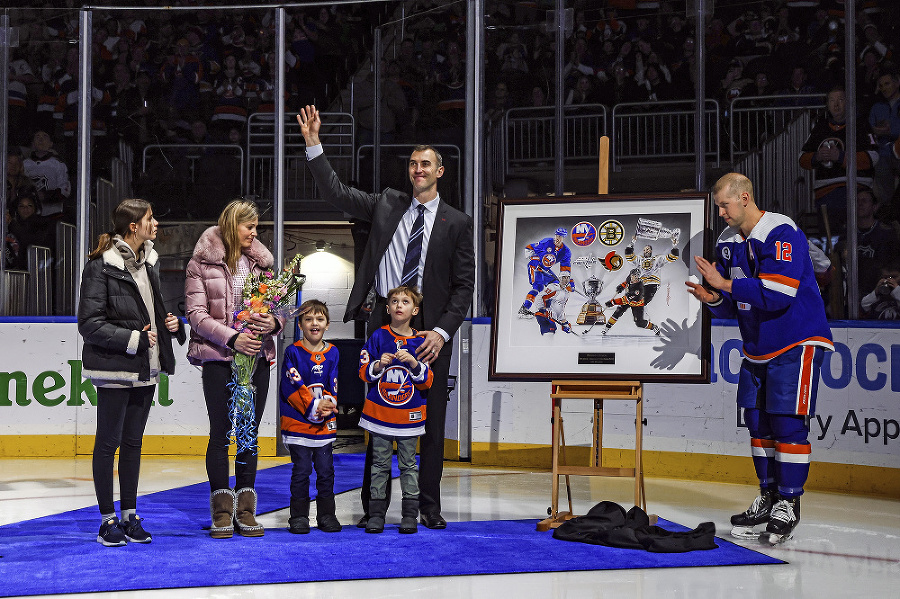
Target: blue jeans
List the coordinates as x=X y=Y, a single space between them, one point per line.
x=304 y=459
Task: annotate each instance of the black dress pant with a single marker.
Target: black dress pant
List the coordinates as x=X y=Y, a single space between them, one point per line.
x=216 y=376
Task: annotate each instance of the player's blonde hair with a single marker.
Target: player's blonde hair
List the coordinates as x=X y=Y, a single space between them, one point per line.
x=734 y=184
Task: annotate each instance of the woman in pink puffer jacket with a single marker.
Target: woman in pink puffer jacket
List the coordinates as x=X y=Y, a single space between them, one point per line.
x=223 y=258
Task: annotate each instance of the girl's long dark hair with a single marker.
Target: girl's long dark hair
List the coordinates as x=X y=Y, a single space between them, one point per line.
x=128 y=211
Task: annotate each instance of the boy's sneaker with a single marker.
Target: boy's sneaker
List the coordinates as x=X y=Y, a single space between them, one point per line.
x=134 y=531
x=785 y=518
x=328 y=523
x=299 y=525
x=758 y=513
x=111 y=534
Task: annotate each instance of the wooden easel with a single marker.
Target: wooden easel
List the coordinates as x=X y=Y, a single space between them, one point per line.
x=598 y=391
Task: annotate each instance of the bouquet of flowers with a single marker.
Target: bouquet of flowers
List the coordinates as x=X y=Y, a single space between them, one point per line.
x=264 y=293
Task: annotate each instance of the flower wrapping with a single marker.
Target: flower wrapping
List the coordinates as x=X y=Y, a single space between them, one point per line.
x=264 y=293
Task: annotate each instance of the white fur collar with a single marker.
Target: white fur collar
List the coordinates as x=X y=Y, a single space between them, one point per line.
x=211 y=249
x=113 y=257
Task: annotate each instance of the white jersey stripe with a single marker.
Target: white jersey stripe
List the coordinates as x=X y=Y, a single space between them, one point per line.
x=780 y=287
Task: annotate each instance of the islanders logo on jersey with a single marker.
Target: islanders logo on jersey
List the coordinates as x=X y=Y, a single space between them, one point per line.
x=584 y=234
x=395 y=386
x=549 y=259
x=611 y=232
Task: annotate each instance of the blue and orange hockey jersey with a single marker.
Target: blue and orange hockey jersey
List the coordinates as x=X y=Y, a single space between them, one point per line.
x=394 y=405
x=546 y=254
x=307 y=378
x=774 y=294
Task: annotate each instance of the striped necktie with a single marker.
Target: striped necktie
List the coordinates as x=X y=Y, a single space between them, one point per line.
x=414 y=250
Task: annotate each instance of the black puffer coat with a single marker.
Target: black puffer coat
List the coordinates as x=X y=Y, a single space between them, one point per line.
x=110 y=310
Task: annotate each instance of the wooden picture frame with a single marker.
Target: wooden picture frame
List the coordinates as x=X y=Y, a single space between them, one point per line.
x=563 y=330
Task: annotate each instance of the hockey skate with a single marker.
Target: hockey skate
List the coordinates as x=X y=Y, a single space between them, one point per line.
x=525 y=312
x=785 y=518
x=758 y=513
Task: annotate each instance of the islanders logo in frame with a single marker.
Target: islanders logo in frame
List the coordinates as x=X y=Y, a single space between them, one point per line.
x=584 y=234
x=395 y=386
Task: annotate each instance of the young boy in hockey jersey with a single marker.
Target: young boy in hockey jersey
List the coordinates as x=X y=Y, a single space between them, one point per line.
x=764 y=277
x=395 y=408
x=308 y=393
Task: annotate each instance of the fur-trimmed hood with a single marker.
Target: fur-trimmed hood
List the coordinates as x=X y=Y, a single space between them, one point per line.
x=211 y=249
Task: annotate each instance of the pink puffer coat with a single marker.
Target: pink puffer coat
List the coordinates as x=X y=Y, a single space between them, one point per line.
x=209 y=301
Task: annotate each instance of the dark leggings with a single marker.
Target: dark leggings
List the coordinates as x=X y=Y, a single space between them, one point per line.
x=216 y=376
x=121 y=418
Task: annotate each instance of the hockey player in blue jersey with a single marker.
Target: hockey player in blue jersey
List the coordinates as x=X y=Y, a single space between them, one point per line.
x=763 y=276
x=542 y=256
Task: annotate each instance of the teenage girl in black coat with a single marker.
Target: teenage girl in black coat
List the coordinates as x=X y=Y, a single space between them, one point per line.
x=127 y=344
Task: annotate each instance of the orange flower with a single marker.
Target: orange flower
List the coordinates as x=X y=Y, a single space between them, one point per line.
x=255 y=303
x=263 y=287
x=243 y=315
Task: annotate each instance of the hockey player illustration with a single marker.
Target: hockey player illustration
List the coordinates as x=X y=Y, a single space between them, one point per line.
x=542 y=256
x=649 y=265
x=551 y=313
x=634 y=298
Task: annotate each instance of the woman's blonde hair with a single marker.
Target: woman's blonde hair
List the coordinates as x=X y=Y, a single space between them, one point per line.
x=236 y=213
x=128 y=211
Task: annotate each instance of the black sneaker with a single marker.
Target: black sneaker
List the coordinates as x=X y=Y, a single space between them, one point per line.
x=758 y=513
x=328 y=523
x=134 y=531
x=111 y=534
x=299 y=525
x=525 y=312
x=785 y=518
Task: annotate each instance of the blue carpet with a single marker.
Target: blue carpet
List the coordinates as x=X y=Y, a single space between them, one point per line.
x=58 y=554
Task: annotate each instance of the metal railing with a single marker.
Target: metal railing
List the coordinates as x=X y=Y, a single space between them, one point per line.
x=193 y=154
x=753 y=120
x=65 y=270
x=16 y=292
x=39 y=283
x=529 y=134
x=779 y=182
x=337 y=136
x=665 y=131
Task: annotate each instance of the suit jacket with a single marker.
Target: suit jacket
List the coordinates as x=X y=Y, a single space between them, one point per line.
x=448 y=280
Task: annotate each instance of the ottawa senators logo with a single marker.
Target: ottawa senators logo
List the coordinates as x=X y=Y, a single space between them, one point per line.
x=395 y=386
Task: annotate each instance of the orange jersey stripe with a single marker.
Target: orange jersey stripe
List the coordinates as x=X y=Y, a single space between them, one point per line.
x=793 y=283
x=794 y=448
x=820 y=341
x=762 y=443
x=386 y=414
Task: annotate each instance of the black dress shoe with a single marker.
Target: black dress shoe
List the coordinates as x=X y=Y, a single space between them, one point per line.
x=433 y=521
x=363 y=521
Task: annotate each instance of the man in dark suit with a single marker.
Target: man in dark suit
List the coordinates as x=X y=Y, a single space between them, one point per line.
x=445 y=274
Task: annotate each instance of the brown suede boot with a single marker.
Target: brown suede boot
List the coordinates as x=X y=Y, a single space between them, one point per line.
x=245 y=514
x=221 y=509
